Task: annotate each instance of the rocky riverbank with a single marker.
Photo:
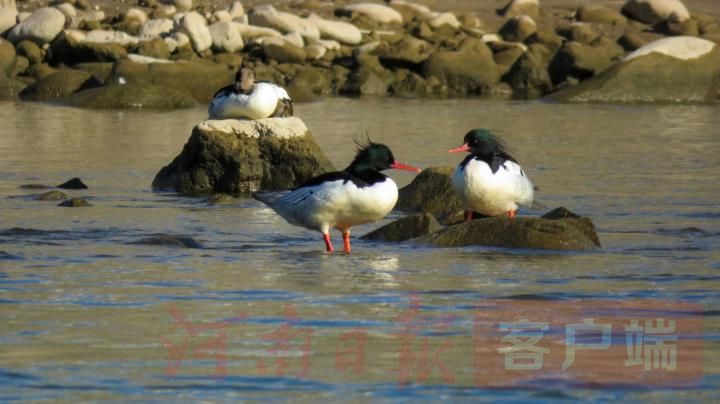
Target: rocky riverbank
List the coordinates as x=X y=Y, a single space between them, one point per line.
x=176 y=53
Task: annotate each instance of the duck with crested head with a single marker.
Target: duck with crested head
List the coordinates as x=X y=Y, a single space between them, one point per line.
x=250 y=99
x=489 y=180
x=356 y=195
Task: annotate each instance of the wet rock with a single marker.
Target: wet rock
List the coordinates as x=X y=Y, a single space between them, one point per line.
x=199 y=80
x=69 y=50
x=11 y=88
x=431 y=192
x=268 y=16
x=546 y=37
x=101 y=71
x=561 y=230
x=226 y=37
x=130 y=96
x=407 y=228
x=31 y=51
x=463 y=72
x=308 y=83
x=578 y=61
x=408 y=84
x=283 y=51
x=41 y=27
x=521 y=7
x=74 y=183
x=528 y=77
x=75 y=203
x=519 y=28
x=674 y=69
x=8 y=19
x=507 y=57
x=51 y=196
x=596 y=13
x=169 y=240
x=195 y=26
x=7 y=58
x=235 y=156
x=376 y=12
x=59 y=84
x=340 y=31
x=654 y=11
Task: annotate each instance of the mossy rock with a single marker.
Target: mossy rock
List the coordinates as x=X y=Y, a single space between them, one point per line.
x=59 y=84
x=432 y=192
x=11 y=88
x=130 y=96
x=407 y=228
x=557 y=230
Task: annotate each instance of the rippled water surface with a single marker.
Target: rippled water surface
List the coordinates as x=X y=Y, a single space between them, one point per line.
x=261 y=312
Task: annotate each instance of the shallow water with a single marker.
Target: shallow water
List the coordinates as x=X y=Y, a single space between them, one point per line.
x=88 y=314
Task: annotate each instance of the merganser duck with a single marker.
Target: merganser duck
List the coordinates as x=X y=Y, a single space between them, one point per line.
x=342 y=199
x=250 y=99
x=489 y=181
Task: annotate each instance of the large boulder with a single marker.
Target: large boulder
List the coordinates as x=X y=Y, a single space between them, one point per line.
x=340 y=31
x=59 y=84
x=243 y=156
x=283 y=51
x=469 y=71
x=518 y=28
x=557 y=230
x=368 y=78
x=226 y=37
x=130 y=96
x=409 y=52
x=195 y=26
x=7 y=57
x=432 y=192
x=407 y=228
x=654 y=11
x=676 y=69
x=529 y=77
x=268 y=16
x=197 y=79
x=377 y=12
x=579 y=61
x=41 y=27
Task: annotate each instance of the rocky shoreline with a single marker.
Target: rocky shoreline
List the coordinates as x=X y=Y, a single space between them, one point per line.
x=176 y=53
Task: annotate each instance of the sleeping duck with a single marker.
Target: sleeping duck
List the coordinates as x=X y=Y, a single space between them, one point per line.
x=250 y=99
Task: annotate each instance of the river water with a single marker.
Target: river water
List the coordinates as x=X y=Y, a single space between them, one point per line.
x=260 y=312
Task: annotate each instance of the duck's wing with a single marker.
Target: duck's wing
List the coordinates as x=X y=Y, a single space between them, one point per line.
x=225 y=91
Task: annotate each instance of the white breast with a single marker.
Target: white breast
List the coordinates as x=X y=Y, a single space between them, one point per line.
x=337 y=204
x=260 y=103
x=489 y=193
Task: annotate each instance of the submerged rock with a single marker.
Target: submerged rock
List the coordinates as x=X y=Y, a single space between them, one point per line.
x=74 y=183
x=131 y=96
x=51 y=196
x=238 y=156
x=406 y=228
x=169 y=241
x=676 y=69
x=10 y=88
x=59 y=84
x=557 y=230
x=432 y=192
x=75 y=203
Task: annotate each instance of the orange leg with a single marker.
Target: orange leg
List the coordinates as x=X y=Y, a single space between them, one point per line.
x=346 y=242
x=468 y=215
x=512 y=213
x=328 y=244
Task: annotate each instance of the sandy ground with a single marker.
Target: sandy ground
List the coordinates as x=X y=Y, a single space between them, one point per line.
x=482 y=7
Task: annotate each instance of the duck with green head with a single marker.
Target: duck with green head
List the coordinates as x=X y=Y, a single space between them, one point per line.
x=359 y=194
x=489 y=180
